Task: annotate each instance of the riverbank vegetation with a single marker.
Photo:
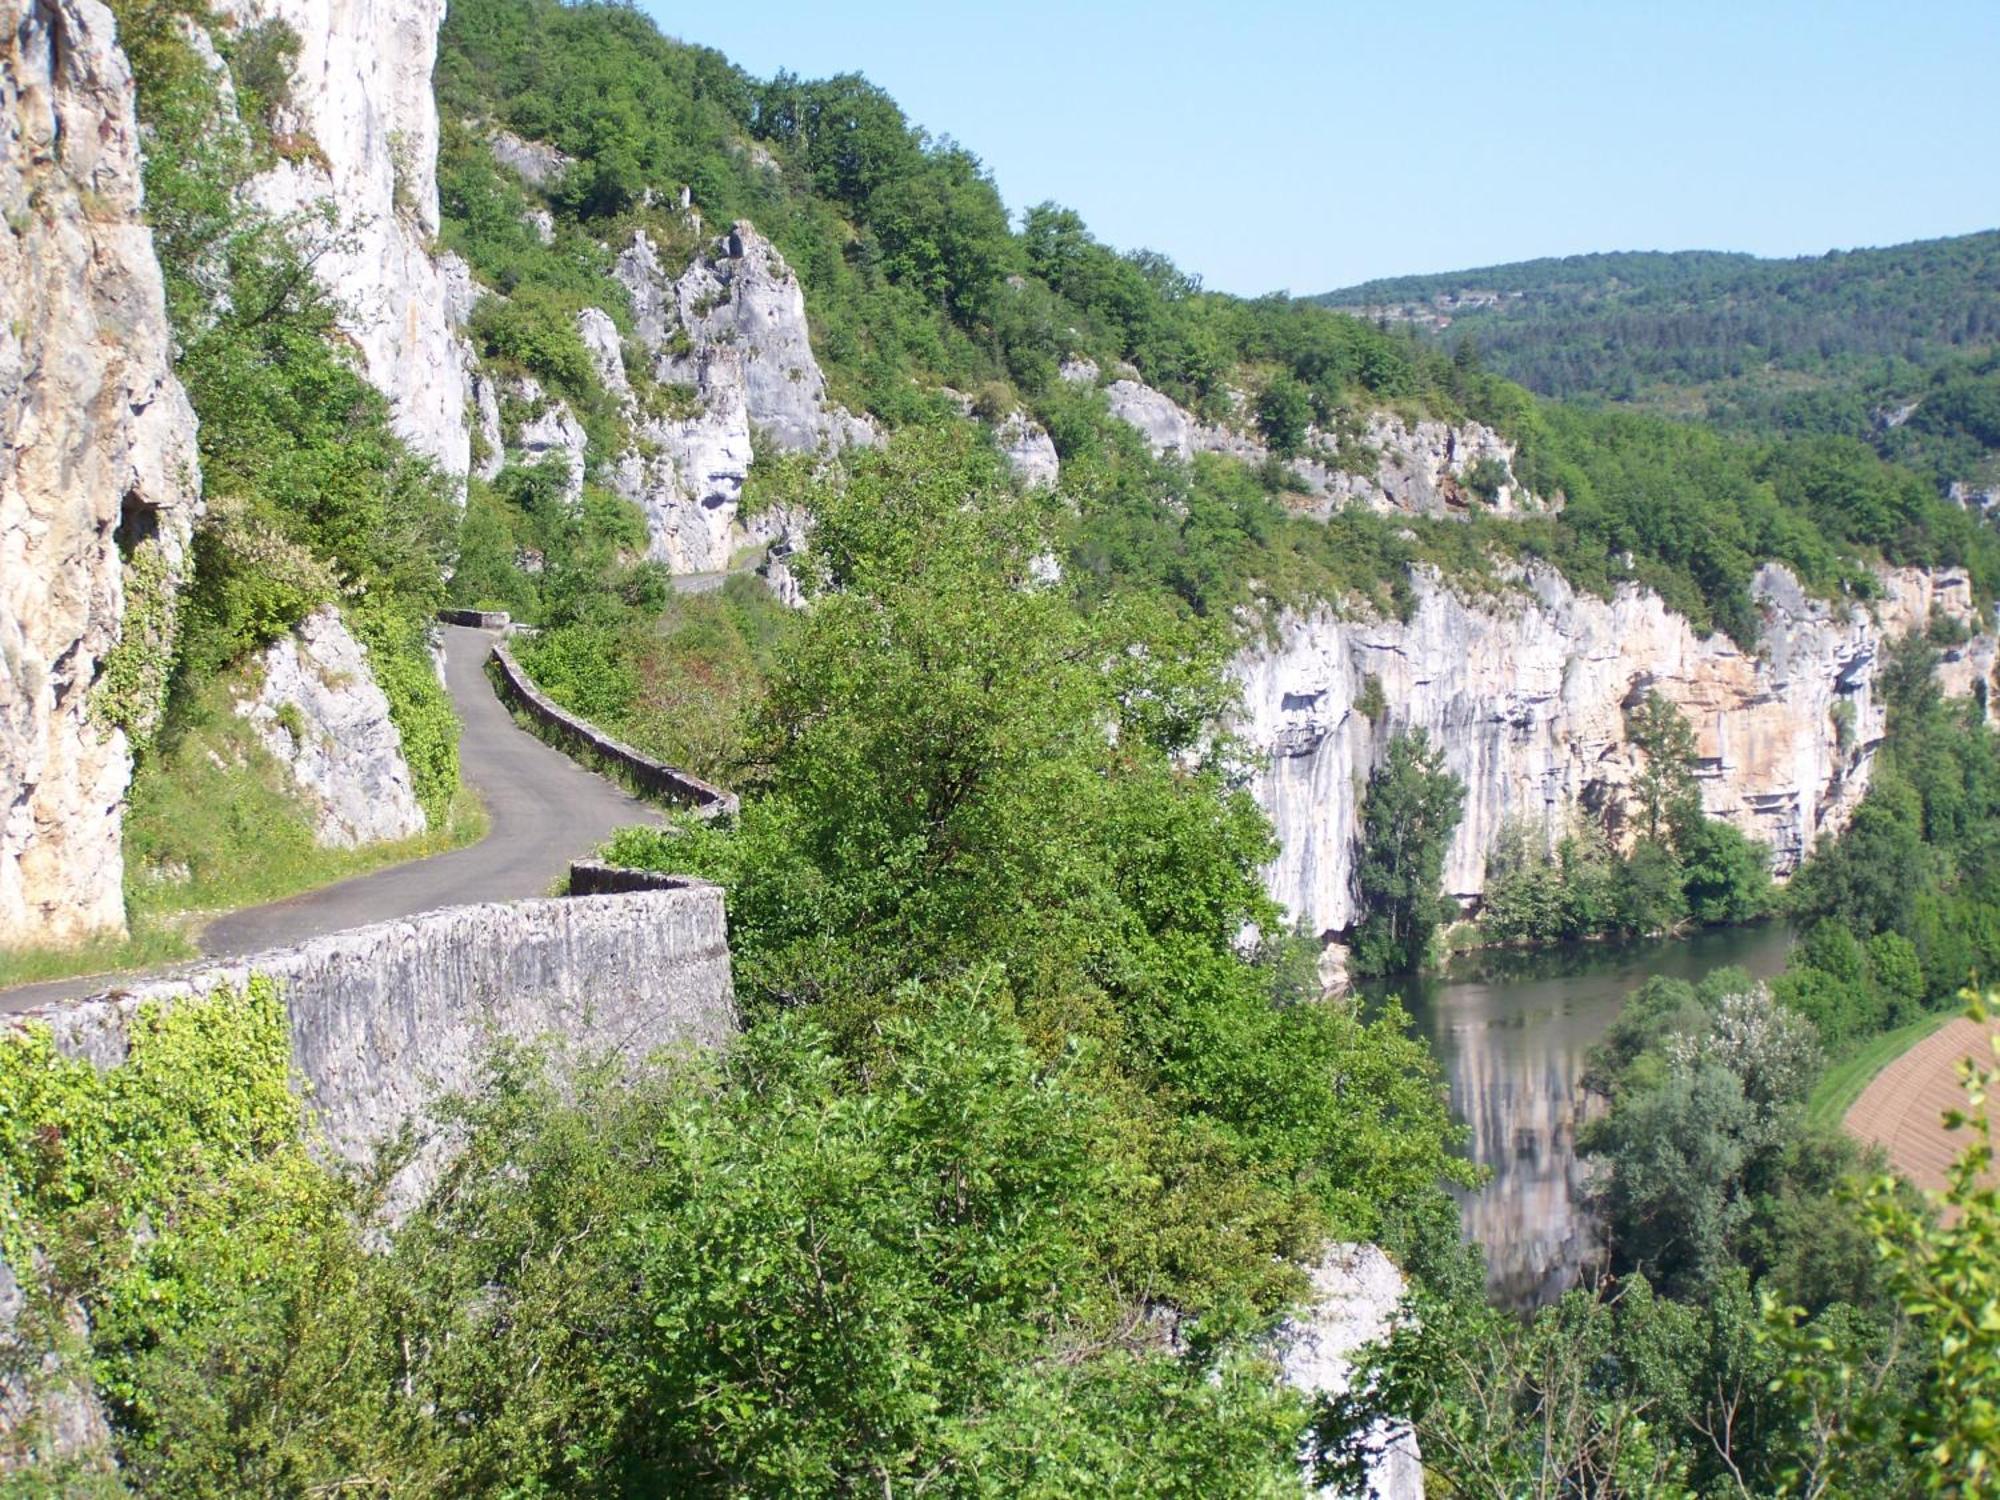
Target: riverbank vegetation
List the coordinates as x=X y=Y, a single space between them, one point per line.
x=1776 y=1319
x=1684 y=868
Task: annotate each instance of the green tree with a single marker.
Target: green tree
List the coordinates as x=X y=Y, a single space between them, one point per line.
x=1407 y=818
x=1665 y=784
x=1284 y=413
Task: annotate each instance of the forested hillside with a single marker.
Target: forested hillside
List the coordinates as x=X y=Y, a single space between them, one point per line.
x=1892 y=346
x=916 y=278
x=1044 y=1116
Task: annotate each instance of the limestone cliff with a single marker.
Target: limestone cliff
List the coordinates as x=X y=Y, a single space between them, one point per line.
x=364 y=125
x=318 y=712
x=1527 y=692
x=1355 y=1297
x=1387 y=463
x=98 y=472
x=728 y=348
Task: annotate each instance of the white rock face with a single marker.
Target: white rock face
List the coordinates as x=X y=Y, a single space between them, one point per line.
x=1913 y=597
x=96 y=448
x=492 y=444
x=730 y=332
x=1029 y=450
x=361 y=91
x=320 y=714
x=1356 y=1292
x=536 y=163
x=551 y=430
x=1173 y=431
x=601 y=340
x=1417 y=469
x=1527 y=694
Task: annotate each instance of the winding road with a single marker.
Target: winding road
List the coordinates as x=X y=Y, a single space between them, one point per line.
x=543 y=810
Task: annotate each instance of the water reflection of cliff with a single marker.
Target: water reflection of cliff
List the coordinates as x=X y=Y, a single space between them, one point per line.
x=1512 y=1034
x=1515 y=1085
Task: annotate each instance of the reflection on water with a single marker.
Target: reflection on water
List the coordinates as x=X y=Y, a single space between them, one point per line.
x=1512 y=1032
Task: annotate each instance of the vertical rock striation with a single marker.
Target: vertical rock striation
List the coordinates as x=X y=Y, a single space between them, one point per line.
x=99 y=480
x=363 y=127
x=1527 y=692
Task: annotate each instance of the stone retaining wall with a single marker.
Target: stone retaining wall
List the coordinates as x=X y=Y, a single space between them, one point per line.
x=579 y=738
x=478 y=619
x=387 y=1018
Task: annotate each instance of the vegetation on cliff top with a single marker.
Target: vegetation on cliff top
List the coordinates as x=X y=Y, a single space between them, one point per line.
x=1894 y=347
x=916 y=277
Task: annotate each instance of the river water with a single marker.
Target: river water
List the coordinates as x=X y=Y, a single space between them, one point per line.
x=1512 y=1032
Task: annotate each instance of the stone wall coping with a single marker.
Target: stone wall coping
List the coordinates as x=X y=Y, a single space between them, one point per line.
x=582 y=738
x=593 y=877
x=478 y=619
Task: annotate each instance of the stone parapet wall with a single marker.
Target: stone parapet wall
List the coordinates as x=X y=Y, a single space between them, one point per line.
x=387 y=1018
x=580 y=738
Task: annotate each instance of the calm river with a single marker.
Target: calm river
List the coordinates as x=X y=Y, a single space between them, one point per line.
x=1512 y=1032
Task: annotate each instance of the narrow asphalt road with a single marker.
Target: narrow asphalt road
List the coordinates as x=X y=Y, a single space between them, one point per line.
x=543 y=810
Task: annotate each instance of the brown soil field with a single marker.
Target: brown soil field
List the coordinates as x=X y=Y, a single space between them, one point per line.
x=1903 y=1107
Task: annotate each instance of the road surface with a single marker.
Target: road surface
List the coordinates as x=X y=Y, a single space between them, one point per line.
x=543 y=810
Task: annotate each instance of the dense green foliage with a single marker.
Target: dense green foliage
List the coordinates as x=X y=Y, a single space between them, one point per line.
x=1020 y=1155
x=773 y=1276
x=1904 y=910
x=684 y=685
x=1836 y=344
x=940 y=794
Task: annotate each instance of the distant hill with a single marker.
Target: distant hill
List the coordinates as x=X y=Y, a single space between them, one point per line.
x=1894 y=345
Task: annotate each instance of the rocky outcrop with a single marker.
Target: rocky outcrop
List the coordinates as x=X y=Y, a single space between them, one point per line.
x=545 y=429
x=99 y=481
x=536 y=163
x=1356 y=1291
x=50 y=1417
x=1029 y=450
x=363 y=127
x=321 y=716
x=488 y=443
x=1421 y=468
x=731 y=364
x=1527 y=692
x=1390 y=464
x=1171 y=430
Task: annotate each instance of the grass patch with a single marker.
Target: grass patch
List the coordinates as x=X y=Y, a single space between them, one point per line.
x=1841 y=1084
x=166 y=916
x=151 y=944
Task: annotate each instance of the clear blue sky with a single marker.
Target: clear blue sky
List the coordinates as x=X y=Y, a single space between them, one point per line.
x=1270 y=146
